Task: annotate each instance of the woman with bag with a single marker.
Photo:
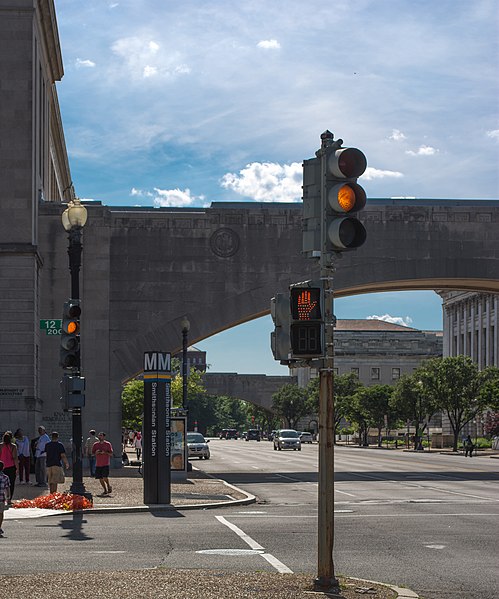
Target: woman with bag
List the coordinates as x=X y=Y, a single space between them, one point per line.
x=8 y=455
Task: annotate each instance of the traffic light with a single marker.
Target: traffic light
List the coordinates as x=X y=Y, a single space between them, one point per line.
x=73 y=391
x=70 y=335
x=307 y=323
x=279 y=338
x=343 y=197
x=312 y=208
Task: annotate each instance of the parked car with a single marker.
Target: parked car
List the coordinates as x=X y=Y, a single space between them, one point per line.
x=252 y=435
x=228 y=433
x=197 y=446
x=287 y=439
x=306 y=437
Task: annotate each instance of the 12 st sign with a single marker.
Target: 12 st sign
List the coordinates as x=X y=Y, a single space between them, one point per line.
x=51 y=327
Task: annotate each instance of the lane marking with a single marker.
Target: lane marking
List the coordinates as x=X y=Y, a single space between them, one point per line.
x=435 y=546
x=345 y=493
x=273 y=561
x=107 y=551
x=231 y=551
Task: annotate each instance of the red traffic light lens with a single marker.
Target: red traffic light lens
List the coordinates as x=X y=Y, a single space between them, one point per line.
x=351 y=162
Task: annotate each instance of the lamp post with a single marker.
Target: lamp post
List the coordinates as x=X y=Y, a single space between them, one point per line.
x=186 y=325
x=73 y=221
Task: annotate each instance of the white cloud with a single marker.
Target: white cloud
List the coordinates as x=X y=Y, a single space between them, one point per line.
x=138 y=192
x=267 y=182
x=88 y=64
x=153 y=47
x=405 y=321
x=493 y=134
x=166 y=198
x=375 y=173
x=422 y=151
x=397 y=135
x=150 y=71
x=269 y=44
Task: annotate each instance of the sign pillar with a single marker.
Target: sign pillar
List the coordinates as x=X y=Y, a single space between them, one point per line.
x=156 y=441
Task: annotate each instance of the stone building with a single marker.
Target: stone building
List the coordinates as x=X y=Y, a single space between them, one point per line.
x=379 y=352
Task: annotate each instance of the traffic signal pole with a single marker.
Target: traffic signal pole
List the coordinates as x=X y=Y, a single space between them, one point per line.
x=326 y=580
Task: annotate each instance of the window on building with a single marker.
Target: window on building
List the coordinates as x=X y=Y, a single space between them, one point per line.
x=395 y=374
x=355 y=371
x=374 y=374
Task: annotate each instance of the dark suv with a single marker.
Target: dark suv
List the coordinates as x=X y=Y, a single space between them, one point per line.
x=228 y=433
x=253 y=435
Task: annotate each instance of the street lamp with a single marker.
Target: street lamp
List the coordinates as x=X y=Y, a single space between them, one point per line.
x=73 y=221
x=186 y=325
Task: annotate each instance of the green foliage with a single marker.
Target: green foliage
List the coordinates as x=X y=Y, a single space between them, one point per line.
x=132 y=404
x=195 y=387
x=291 y=403
x=457 y=387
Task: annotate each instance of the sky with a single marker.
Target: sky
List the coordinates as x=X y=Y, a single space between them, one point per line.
x=184 y=103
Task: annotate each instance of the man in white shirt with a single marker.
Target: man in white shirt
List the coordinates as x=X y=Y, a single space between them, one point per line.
x=41 y=458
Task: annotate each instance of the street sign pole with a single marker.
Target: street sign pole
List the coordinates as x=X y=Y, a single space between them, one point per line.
x=326 y=580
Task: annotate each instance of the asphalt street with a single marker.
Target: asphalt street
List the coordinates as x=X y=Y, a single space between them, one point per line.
x=427 y=521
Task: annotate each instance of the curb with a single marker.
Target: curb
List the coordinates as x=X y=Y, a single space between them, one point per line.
x=402 y=593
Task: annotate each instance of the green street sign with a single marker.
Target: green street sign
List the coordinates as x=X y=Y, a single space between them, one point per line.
x=52 y=326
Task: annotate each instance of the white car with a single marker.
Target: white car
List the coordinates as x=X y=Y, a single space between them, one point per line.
x=287 y=439
x=306 y=437
x=197 y=446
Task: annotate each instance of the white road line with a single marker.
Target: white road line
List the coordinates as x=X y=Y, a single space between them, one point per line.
x=273 y=561
x=247 y=539
x=279 y=566
x=344 y=493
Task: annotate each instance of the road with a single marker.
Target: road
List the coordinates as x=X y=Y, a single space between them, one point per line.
x=429 y=522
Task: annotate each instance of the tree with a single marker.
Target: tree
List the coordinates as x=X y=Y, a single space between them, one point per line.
x=344 y=388
x=132 y=404
x=410 y=402
x=290 y=403
x=455 y=383
x=491 y=424
x=374 y=404
x=195 y=387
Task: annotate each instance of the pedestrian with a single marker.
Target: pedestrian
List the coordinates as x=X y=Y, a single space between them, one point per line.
x=4 y=495
x=23 y=454
x=56 y=456
x=103 y=450
x=138 y=444
x=41 y=458
x=8 y=455
x=89 y=443
x=468 y=447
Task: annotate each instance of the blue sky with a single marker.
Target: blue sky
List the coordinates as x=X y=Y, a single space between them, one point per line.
x=169 y=103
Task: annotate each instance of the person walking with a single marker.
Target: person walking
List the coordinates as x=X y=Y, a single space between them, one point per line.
x=89 y=443
x=56 y=455
x=138 y=444
x=23 y=454
x=41 y=458
x=103 y=450
x=4 y=495
x=8 y=455
x=468 y=447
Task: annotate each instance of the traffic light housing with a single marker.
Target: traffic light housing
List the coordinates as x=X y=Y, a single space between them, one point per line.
x=343 y=198
x=279 y=338
x=312 y=208
x=306 y=329
x=70 y=336
x=73 y=391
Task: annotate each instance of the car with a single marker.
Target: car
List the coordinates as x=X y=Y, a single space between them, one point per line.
x=228 y=433
x=306 y=437
x=197 y=446
x=287 y=439
x=252 y=435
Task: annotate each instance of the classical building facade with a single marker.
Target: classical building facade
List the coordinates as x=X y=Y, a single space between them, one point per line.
x=379 y=352
x=471 y=326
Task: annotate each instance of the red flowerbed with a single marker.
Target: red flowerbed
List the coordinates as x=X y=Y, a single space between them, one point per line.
x=56 y=501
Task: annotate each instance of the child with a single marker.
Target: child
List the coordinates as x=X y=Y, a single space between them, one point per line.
x=4 y=495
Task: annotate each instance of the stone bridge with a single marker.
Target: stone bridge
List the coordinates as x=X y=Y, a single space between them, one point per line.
x=144 y=269
x=255 y=388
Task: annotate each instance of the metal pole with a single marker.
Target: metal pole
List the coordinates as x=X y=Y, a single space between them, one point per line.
x=74 y=252
x=326 y=580
x=184 y=367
